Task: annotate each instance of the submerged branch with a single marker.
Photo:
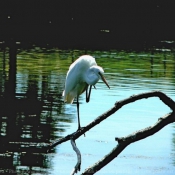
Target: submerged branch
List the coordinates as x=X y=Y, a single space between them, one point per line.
x=125 y=141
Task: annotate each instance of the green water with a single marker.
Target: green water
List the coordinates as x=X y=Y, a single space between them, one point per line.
x=34 y=114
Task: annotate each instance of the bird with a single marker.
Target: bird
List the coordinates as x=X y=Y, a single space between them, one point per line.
x=81 y=76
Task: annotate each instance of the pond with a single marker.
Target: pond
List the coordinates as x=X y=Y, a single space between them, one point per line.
x=33 y=112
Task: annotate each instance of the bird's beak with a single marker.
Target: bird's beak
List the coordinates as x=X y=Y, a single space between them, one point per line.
x=104 y=80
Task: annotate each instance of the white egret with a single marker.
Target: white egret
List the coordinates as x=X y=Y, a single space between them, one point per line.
x=84 y=72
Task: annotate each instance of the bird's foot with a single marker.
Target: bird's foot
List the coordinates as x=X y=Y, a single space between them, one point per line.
x=80 y=129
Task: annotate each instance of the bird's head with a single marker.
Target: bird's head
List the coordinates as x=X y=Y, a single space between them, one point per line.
x=94 y=73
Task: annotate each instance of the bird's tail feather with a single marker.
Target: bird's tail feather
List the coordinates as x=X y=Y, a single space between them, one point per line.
x=68 y=98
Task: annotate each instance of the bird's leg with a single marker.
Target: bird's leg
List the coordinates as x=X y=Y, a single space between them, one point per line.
x=88 y=94
x=79 y=127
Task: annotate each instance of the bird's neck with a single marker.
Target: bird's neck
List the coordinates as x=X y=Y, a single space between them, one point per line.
x=90 y=77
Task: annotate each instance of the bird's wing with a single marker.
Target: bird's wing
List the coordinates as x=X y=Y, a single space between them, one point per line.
x=72 y=80
x=75 y=84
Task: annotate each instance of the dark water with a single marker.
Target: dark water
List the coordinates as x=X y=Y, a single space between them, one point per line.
x=33 y=114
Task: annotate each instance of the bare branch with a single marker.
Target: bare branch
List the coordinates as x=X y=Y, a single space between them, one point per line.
x=164 y=98
x=168 y=101
x=125 y=141
x=78 y=165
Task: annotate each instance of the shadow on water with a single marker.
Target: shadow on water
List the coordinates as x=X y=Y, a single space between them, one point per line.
x=32 y=112
x=28 y=118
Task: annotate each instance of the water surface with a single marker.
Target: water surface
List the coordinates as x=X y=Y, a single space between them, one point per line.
x=33 y=113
